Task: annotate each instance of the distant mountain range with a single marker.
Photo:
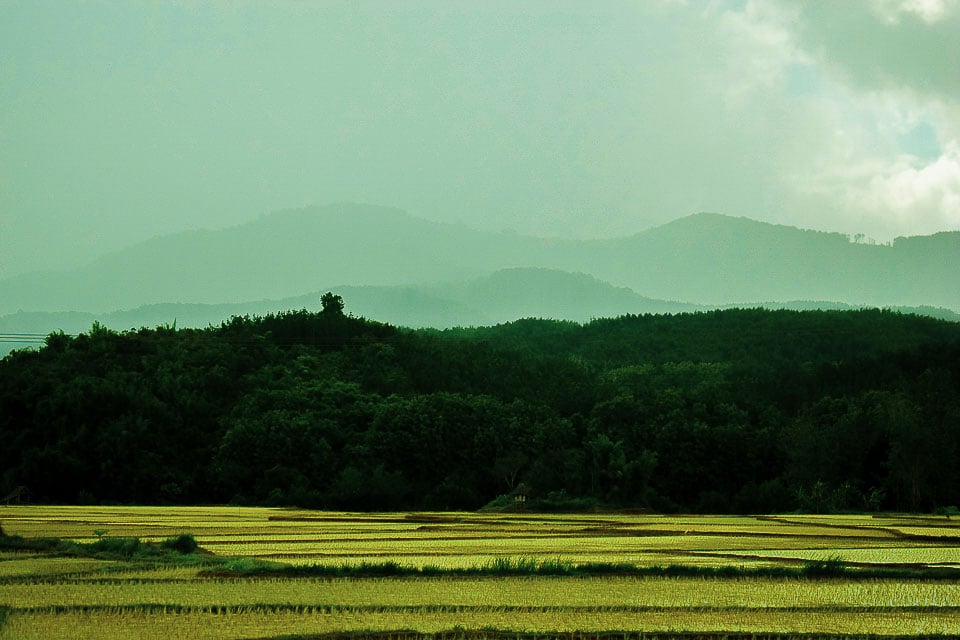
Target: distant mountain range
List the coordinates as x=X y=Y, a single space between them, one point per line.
x=498 y=298
x=394 y=267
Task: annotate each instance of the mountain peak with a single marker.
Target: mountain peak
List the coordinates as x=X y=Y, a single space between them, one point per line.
x=337 y=214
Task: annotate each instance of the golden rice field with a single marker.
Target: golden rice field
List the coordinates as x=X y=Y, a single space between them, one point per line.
x=46 y=596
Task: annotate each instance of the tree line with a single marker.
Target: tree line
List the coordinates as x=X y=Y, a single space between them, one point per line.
x=741 y=410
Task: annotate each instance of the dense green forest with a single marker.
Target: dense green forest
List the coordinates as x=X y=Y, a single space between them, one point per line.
x=741 y=410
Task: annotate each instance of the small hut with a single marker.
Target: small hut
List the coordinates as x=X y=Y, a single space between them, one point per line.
x=520 y=494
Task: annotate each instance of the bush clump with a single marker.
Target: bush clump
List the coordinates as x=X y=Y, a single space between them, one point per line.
x=184 y=543
x=832 y=567
x=120 y=547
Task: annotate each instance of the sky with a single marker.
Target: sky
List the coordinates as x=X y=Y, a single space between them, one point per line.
x=120 y=121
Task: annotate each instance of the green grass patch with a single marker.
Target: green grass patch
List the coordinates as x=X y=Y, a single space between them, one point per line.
x=832 y=567
x=458 y=633
x=502 y=567
x=182 y=548
x=183 y=544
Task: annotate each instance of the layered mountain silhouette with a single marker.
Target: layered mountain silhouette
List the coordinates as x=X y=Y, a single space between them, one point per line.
x=396 y=267
x=503 y=296
x=500 y=297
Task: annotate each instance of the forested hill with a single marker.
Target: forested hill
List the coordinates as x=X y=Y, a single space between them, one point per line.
x=725 y=411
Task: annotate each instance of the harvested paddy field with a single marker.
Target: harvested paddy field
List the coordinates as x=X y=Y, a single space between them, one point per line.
x=267 y=573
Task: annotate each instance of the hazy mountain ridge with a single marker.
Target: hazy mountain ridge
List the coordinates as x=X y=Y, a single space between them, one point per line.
x=277 y=256
x=501 y=297
x=716 y=260
x=700 y=259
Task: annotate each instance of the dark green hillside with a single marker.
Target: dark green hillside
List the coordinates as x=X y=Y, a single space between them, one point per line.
x=735 y=410
x=731 y=335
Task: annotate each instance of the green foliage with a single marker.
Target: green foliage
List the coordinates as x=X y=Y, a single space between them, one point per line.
x=57 y=341
x=117 y=547
x=184 y=543
x=531 y=566
x=737 y=411
x=561 y=502
x=503 y=502
x=18 y=543
x=250 y=566
x=122 y=548
x=331 y=303
x=949 y=512
x=832 y=567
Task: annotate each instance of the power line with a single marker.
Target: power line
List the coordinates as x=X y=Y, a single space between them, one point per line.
x=27 y=338
x=27 y=335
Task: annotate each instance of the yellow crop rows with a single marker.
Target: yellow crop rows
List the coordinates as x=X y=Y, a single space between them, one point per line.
x=44 y=595
x=261 y=624
x=541 y=591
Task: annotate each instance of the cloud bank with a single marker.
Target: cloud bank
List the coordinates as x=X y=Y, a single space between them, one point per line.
x=122 y=121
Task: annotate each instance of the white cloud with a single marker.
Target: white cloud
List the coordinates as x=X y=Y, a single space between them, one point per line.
x=926 y=196
x=760 y=44
x=930 y=11
x=835 y=145
x=890 y=195
x=556 y=118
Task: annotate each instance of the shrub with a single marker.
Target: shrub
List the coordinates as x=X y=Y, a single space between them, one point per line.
x=123 y=547
x=251 y=566
x=184 y=543
x=829 y=568
x=942 y=511
x=502 y=502
x=561 y=502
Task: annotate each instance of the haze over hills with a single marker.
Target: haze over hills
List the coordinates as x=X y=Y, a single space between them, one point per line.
x=279 y=255
x=381 y=256
x=500 y=297
x=715 y=259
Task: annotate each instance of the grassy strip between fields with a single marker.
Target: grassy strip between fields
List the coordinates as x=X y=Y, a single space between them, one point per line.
x=183 y=549
x=495 y=634
x=829 y=568
x=179 y=549
x=455 y=609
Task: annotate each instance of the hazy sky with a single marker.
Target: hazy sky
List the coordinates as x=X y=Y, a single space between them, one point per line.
x=123 y=120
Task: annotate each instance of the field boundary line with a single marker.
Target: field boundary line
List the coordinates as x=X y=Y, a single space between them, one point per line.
x=335 y=609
